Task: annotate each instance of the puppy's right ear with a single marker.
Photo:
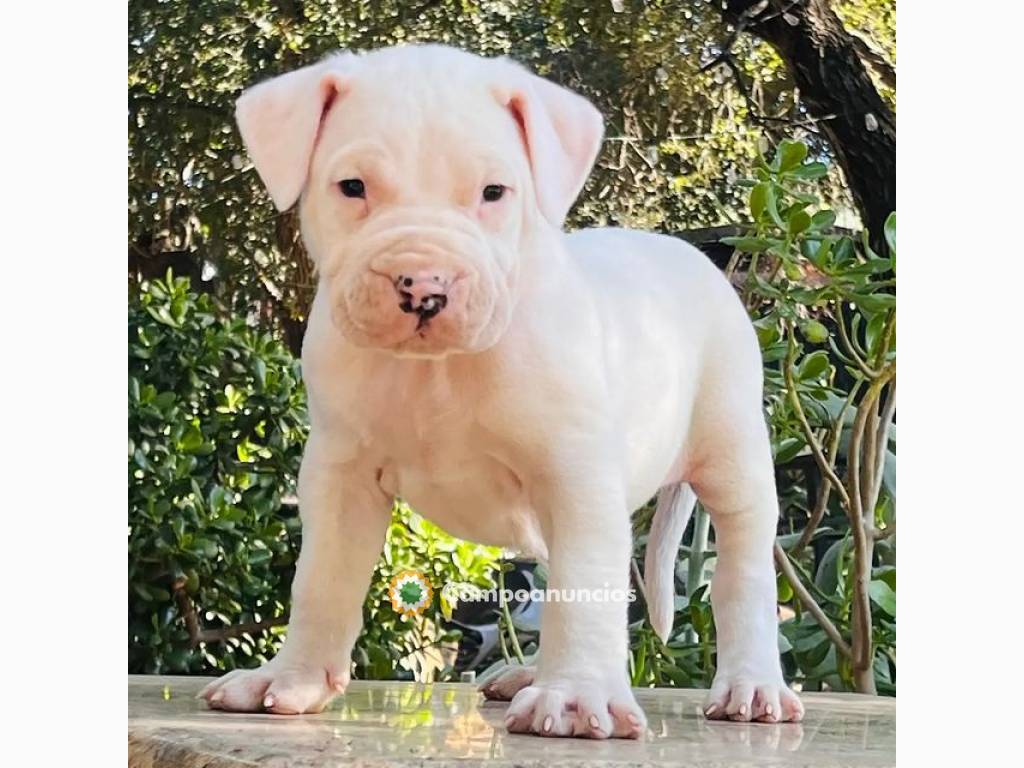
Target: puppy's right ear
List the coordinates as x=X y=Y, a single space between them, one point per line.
x=280 y=120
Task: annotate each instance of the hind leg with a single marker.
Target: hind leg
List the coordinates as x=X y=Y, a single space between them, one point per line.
x=736 y=483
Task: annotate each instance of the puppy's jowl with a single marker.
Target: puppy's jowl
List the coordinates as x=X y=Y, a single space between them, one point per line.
x=517 y=385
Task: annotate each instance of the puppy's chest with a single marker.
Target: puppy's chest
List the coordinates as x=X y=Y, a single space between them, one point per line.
x=445 y=469
x=421 y=427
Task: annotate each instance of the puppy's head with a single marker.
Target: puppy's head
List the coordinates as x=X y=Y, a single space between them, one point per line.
x=422 y=171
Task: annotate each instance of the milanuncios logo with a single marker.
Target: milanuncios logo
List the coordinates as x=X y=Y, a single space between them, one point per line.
x=410 y=593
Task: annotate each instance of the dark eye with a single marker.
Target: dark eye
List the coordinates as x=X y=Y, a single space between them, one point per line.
x=493 y=193
x=352 y=187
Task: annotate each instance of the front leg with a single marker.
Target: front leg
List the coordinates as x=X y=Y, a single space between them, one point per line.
x=581 y=687
x=344 y=518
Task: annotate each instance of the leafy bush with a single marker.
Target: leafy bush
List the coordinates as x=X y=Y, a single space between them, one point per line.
x=216 y=422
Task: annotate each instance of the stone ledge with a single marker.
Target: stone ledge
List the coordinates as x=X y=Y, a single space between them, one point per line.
x=449 y=725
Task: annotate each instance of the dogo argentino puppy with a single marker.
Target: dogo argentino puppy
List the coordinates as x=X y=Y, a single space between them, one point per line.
x=517 y=385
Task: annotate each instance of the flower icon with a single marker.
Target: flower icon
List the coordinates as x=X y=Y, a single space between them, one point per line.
x=410 y=593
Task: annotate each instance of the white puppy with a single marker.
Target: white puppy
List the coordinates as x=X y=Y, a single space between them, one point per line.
x=517 y=385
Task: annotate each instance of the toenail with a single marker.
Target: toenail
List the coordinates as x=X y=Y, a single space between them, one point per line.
x=710 y=710
x=743 y=709
x=768 y=710
x=217 y=696
x=268 y=702
x=594 y=722
x=548 y=722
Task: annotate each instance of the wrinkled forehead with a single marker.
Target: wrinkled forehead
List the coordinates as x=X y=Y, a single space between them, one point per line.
x=440 y=127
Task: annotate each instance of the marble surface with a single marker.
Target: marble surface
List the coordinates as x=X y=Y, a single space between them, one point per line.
x=406 y=724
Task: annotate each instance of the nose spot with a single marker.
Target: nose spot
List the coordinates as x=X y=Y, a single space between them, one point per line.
x=424 y=296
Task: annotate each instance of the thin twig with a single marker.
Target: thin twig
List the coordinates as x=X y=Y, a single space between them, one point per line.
x=794 y=399
x=861 y=526
x=881 y=534
x=507 y=615
x=866 y=369
x=782 y=559
x=882 y=439
x=635 y=569
x=825 y=492
x=197 y=634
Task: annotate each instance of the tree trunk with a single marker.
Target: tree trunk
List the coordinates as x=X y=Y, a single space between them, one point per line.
x=835 y=86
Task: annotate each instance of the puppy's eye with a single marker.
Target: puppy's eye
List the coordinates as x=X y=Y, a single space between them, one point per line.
x=493 y=192
x=352 y=187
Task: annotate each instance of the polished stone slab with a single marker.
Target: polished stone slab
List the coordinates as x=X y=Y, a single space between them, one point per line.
x=407 y=724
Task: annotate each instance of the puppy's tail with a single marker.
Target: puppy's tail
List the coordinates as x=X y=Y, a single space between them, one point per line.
x=675 y=505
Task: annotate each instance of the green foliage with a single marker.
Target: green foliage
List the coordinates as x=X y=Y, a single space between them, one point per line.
x=216 y=422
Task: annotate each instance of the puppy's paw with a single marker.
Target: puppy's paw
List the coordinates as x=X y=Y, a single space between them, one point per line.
x=743 y=699
x=584 y=708
x=508 y=683
x=279 y=688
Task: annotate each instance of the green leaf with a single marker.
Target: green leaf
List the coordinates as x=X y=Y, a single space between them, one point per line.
x=790 y=154
x=809 y=172
x=788 y=449
x=889 y=230
x=192 y=440
x=883 y=596
x=886 y=573
x=748 y=244
x=759 y=199
x=823 y=219
x=812 y=366
x=799 y=221
x=873 y=332
x=767 y=329
x=843 y=250
x=784 y=588
x=772 y=207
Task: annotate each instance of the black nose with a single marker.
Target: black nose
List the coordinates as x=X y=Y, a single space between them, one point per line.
x=425 y=298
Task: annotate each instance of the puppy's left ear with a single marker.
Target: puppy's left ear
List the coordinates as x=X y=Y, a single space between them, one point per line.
x=563 y=133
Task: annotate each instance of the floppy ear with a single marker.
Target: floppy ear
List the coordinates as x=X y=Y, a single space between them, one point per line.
x=563 y=133
x=280 y=119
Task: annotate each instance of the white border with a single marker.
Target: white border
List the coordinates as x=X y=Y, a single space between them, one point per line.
x=63 y=383
x=960 y=209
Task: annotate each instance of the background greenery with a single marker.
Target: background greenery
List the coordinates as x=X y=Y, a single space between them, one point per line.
x=216 y=404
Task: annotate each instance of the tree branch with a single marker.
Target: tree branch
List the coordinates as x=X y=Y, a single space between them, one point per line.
x=825 y=491
x=826 y=468
x=782 y=559
x=197 y=634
